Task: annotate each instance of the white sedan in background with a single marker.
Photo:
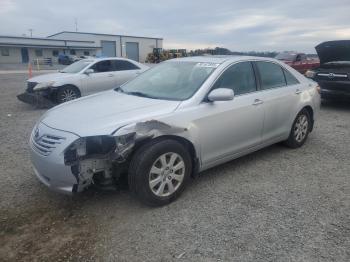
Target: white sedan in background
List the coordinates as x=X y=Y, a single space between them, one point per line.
x=81 y=78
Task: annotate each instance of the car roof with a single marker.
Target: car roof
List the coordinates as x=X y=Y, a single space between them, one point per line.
x=108 y=58
x=219 y=59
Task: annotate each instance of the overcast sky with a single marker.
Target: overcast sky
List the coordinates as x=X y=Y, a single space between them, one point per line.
x=265 y=25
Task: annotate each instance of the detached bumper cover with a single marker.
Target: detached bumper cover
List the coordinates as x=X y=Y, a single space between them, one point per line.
x=37 y=99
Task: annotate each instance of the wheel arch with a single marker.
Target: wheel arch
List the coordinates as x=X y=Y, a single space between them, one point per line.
x=70 y=85
x=55 y=93
x=310 y=111
x=184 y=141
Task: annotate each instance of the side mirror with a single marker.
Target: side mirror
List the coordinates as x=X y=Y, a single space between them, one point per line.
x=221 y=94
x=89 y=71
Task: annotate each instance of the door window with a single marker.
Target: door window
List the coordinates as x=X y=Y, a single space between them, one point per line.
x=239 y=77
x=291 y=80
x=102 y=66
x=271 y=75
x=122 y=65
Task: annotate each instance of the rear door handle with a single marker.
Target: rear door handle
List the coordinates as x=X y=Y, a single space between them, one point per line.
x=298 y=91
x=257 y=102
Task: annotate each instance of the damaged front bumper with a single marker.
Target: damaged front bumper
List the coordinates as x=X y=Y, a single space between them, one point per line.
x=47 y=155
x=68 y=163
x=38 y=99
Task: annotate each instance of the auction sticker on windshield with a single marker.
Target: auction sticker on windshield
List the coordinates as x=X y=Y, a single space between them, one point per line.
x=211 y=65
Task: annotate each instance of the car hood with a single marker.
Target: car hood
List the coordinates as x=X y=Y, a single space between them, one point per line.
x=103 y=113
x=333 y=51
x=49 y=77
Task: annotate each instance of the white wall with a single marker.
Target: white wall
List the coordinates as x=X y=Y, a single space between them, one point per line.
x=15 y=55
x=146 y=45
x=13 y=58
x=90 y=37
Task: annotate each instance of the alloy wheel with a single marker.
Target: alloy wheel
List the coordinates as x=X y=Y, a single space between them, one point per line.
x=167 y=174
x=68 y=95
x=301 y=128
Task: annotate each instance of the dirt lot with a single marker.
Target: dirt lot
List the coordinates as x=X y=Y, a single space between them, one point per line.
x=277 y=204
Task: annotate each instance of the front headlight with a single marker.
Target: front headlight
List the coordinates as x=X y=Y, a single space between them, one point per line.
x=310 y=74
x=87 y=147
x=116 y=147
x=43 y=85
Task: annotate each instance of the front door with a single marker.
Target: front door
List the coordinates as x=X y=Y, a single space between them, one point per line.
x=25 y=55
x=230 y=127
x=103 y=78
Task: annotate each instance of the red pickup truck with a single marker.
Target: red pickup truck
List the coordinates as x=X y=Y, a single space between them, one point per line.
x=298 y=61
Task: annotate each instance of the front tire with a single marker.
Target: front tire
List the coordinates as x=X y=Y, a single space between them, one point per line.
x=300 y=130
x=67 y=93
x=159 y=172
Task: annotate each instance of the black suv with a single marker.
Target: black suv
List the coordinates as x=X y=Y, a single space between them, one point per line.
x=333 y=75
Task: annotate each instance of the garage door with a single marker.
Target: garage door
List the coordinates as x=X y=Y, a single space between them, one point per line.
x=108 y=48
x=132 y=50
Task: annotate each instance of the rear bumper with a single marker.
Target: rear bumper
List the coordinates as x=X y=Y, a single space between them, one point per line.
x=327 y=93
x=37 y=99
x=336 y=89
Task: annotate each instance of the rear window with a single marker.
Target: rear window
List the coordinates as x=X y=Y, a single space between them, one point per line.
x=271 y=75
x=122 y=65
x=291 y=80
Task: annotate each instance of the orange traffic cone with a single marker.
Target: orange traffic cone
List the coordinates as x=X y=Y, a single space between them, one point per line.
x=30 y=73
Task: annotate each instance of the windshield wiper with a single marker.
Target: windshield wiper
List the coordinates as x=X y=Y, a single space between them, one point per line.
x=119 y=89
x=137 y=93
x=134 y=93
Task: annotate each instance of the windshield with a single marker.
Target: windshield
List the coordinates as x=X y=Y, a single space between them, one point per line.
x=170 y=80
x=76 y=67
x=286 y=56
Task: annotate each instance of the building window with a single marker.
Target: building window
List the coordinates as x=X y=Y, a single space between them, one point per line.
x=72 y=52
x=38 y=52
x=86 y=53
x=55 y=52
x=5 y=52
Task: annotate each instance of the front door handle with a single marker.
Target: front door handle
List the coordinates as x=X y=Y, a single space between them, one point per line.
x=298 y=91
x=257 y=102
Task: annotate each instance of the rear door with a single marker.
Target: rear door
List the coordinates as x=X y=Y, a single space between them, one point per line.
x=124 y=71
x=103 y=78
x=280 y=93
x=230 y=127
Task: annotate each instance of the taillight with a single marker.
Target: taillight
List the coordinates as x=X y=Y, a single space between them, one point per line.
x=318 y=89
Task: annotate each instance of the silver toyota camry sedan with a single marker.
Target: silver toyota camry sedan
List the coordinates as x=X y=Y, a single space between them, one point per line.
x=172 y=122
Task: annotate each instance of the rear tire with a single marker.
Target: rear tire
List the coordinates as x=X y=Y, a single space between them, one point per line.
x=159 y=172
x=67 y=93
x=300 y=130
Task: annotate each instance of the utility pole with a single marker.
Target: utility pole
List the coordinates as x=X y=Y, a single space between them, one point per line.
x=31 y=32
x=76 y=24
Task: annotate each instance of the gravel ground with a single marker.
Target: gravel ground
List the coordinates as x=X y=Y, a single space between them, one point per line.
x=277 y=204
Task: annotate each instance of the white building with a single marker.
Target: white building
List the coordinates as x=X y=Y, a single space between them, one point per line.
x=26 y=49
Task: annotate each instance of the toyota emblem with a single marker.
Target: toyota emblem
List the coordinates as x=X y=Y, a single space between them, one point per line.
x=331 y=75
x=36 y=133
